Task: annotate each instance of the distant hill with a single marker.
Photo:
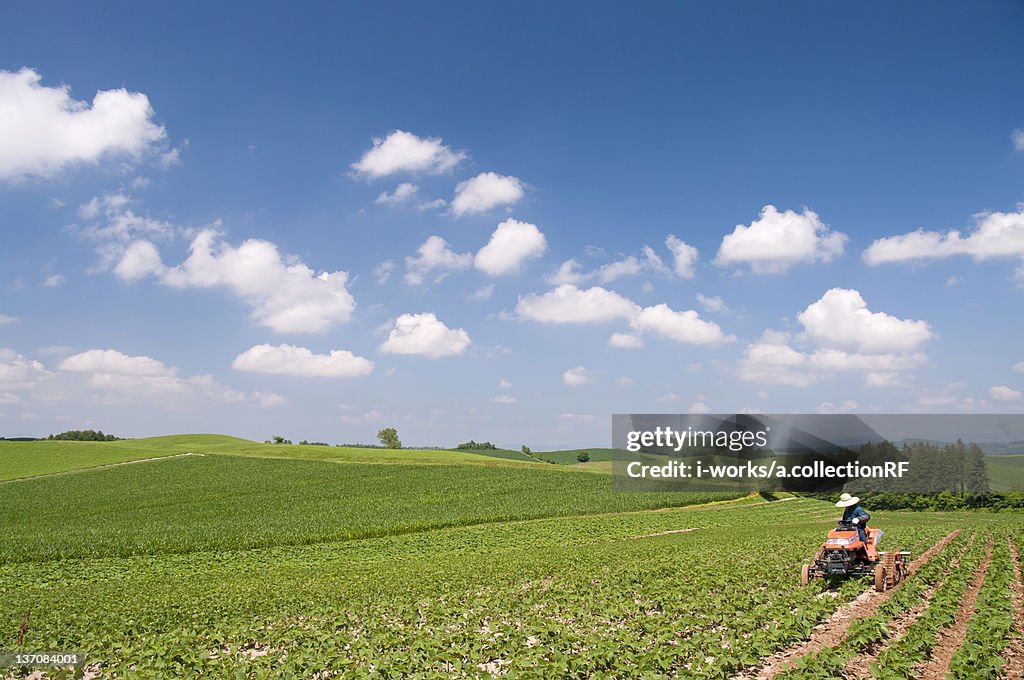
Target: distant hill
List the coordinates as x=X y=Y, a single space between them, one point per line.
x=989 y=448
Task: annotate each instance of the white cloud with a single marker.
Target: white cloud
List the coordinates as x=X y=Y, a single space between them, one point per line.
x=994 y=234
x=778 y=240
x=285 y=294
x=9 y=399
x=425 y=335
x=434 y=254
x=20 y=372
x=403 y=151
x=504 y=384
x=711 y=303
x=629 y=266
x=1019 y=367
x=848 y=338
x=841 y=319
x=846 y=407
x=1004 y=393
x=770 y=360
x=1017 y=137
x=268 y=399
x=299 y=361
x=482 y=293
x=402 y=193
x=685 y=327
x=485 y=191
x=567 y=272
x=574 y=377
x=54 y=281
x=512 y=243
x=503 y=399
x=569 y=304
x=140 y=259
x=382 y=272
x=699 y=407
x=113 y=362
x=371 y=416
x=684 y=257
x=45 y=130
x=6 y=319
x=625 y=341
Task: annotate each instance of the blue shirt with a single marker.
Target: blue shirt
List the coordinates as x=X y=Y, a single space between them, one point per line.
x=856 y=511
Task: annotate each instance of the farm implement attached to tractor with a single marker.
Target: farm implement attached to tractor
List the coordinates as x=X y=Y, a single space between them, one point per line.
x=844 y=554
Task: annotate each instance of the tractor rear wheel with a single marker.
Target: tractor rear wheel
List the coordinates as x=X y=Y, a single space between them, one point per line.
x=880 y=583
x=805 y=575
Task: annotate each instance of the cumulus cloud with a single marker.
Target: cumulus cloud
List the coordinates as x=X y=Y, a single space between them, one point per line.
x=712 y=303
x=1004 y=393
x=993 y=235
x=512 y=243
x=139 y=260
x=402 y=193
x=113 y=362
x=20 y=372
x=403 y=151
x=6 y=319
x=424 y=334
x=844 y=336
x=686 y=327
x=1019 y=367
x=54 y=281
x=777 y=240
x=684 y=257
x=482 y=293
x=626 y=341
x=485 y=191
x=287 y=359
x=629 y=266
x=569 y=304
x=45 y=130
x=574 y=377
x=567 y=272
x=841 y=319
x=284 y=293
x=434 y=255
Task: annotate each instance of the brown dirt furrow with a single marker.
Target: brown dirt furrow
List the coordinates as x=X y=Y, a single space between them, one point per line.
x=860 y=665
x=1015 y=652
x=831 y=632
x=952 y=637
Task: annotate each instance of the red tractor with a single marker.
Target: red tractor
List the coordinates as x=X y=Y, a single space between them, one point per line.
x=843 y=554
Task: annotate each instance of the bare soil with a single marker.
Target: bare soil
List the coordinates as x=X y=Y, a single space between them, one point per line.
x=833 y=630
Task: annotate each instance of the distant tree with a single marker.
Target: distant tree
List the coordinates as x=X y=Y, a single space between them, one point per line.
x=389 y=438
x=526 y=450
x=476 y=446
x=583 y=456
x=281 y=440
x=84 y=436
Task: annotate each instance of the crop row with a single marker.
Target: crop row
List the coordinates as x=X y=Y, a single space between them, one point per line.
x=866 y=632
x=920 y=638
x=462 y=601
x=989 y=630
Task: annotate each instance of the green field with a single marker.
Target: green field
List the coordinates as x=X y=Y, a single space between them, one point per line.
x=1005 y=471
x=264 y=561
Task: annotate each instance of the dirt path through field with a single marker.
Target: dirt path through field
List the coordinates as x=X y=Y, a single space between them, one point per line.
x=100 y=467
x=860 y=665
x=1015 y=652
x=952 y=637
x=832 y=631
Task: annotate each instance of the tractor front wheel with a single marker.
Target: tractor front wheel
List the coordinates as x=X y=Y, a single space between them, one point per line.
x=805 y=575
x=880 y=582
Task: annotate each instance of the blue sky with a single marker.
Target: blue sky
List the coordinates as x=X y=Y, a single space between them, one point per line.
x=270 y=143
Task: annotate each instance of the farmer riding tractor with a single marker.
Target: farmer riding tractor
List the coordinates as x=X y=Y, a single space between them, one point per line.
x=851 y=549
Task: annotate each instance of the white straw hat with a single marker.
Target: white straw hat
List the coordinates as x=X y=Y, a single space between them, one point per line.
x=846 y=500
